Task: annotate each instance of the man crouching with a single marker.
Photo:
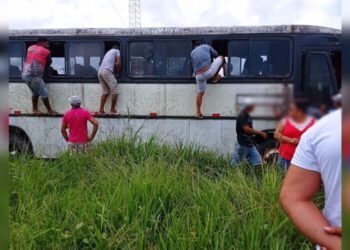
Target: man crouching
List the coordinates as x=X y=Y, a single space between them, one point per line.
x=76 y=120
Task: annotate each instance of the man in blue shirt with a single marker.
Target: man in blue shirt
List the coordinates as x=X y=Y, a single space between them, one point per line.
x=204 y=69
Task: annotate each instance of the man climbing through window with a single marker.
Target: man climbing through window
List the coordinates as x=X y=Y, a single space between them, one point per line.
x=204 y=69
x=37 y=60
x=107 y=75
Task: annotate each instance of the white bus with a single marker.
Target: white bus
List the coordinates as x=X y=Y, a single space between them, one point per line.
x=157 y=92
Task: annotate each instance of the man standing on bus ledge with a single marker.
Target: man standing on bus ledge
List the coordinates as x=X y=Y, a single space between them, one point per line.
x=76 y=120
x=204 y=69
x=37 y=60
x=107 y=75
x=245 y=148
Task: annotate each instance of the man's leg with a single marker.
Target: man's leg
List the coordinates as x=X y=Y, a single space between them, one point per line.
x=35 y=101
x=48 y=106
x=114 y=102
x=236 y=155
x=102 y=103
x=254 y=157
x=201 y=87
x=199 y=104
x=217 y=65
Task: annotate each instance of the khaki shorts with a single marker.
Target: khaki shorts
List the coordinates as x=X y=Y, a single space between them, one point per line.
x=108 y=82
x=201 y=79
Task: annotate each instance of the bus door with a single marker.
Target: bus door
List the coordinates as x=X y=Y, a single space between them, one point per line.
x=320 y=81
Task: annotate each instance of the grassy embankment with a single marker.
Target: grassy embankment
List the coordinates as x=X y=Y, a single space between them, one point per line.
x=126 y=194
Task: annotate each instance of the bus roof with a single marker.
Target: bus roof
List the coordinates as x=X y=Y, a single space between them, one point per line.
x=175 y=31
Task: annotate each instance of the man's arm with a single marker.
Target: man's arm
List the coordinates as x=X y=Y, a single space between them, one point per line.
x=250 y=130
x=118 y=65
x=64 y=127
x=299 y=187
x=95 y=124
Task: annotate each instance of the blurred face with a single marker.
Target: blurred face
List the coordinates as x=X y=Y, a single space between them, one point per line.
x=250 y=108
x=293 y=111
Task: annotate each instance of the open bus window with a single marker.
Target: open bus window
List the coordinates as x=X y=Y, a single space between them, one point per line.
x=16 y=58
x=160 y=58
x=238 y=58
x=84 y=58
x=58 y=66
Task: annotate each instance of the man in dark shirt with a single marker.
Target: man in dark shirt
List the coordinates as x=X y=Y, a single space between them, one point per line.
x=245 y=148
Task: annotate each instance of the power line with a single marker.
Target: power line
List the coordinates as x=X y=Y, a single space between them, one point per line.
x=117 y=12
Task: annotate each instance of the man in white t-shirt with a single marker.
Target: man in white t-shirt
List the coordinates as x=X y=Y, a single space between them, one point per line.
x=317 y=160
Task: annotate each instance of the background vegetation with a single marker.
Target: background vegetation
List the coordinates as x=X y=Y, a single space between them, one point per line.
x=128 y=194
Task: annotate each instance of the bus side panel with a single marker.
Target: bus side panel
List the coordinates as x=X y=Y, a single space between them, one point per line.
x=216 y=135
x=164 y=99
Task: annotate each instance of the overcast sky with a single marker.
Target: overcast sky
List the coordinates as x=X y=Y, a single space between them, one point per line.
x=30 y=14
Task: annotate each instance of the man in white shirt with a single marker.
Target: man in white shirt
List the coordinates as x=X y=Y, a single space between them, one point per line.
x=317 y=160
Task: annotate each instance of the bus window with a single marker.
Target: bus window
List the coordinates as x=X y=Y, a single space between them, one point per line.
x=16 y=52
x=336 y=62
x=172 y=58
x=141 y=59
x=160 y=58
x=319 y=84
x=259 y=58
x=238 y=58
x=84 y=58
x=270 y=57
x=58 y=66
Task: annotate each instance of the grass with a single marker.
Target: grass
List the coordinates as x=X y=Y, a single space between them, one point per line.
x=128 y=194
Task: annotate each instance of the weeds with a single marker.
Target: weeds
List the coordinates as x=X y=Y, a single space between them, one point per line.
x=129 y=194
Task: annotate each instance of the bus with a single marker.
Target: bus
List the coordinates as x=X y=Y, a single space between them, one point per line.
x=269 y=64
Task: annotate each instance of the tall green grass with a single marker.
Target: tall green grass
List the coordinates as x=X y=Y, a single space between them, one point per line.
x=129 y=194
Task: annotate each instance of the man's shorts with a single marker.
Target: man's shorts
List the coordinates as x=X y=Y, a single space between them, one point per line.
x=246 y=153
x=201 y=79
x=78 y=148
x=108 y=82
x=37 y=86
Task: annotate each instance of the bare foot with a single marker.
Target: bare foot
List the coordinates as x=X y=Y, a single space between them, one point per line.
x=114 y=113
x=52 y=112
x=100 y=113
x=199 y=115
x=37 y=112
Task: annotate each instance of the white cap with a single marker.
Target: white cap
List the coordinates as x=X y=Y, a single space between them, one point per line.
x=337 y=97
x=74 y=100
x=247 y=102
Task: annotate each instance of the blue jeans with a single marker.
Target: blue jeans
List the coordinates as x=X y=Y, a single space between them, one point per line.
x=283 y=164
x=248 y=153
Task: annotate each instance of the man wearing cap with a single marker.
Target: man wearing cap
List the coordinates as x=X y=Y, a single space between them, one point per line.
x=37 y=60
x=76 y=120
x=245 y=148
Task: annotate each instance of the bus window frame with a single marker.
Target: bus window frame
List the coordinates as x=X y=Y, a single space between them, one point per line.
x=263 y=38
x=154 y=41
x=68 y=42
x=306 y=75
x=23 y=43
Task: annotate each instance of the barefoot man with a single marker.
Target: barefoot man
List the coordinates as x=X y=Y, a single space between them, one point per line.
x=107 y=75
x=37 y=60
x=204 y=69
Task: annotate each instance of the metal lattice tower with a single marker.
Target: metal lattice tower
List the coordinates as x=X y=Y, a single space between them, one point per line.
x=134 y=14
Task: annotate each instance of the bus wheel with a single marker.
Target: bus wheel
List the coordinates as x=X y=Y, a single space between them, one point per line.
x=19 y=145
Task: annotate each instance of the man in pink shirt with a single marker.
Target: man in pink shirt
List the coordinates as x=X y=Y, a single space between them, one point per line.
x=76 y=120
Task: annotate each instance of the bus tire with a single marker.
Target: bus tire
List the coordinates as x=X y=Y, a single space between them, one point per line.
x=19 y=144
